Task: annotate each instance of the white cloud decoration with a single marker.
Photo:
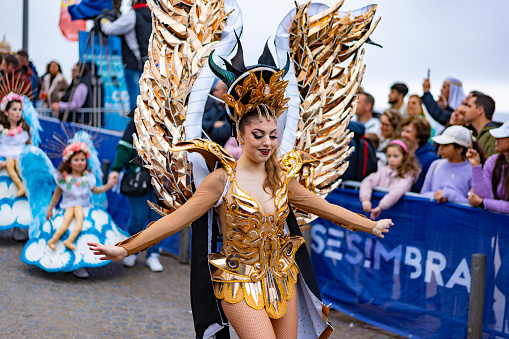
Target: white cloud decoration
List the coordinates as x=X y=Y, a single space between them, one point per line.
x=14 y=211
x=97 y=227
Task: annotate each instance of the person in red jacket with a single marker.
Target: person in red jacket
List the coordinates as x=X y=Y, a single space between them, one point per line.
x=17 y=81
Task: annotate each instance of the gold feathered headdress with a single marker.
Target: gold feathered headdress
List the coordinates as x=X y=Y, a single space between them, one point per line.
x=258 y=88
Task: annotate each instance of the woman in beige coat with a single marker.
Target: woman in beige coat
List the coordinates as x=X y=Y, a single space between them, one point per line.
x=53 y=85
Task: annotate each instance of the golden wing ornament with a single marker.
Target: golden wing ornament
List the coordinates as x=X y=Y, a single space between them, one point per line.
x=174 y=87
x=320 y=41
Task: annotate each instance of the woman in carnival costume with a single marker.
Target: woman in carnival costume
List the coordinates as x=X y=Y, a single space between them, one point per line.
x=261 y=280
x=59 y=245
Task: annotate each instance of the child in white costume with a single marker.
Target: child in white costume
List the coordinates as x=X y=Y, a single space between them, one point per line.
x=14 y=135
x=59 y=245
x=75 y=182
x=23 y=165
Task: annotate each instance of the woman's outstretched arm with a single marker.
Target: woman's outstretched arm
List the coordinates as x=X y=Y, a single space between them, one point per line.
x=311 y=203
x=207 y=194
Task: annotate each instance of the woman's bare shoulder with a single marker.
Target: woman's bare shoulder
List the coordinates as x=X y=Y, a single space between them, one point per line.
x=218 y=176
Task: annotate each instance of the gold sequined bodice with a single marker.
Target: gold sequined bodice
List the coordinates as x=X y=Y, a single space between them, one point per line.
x=257 y=260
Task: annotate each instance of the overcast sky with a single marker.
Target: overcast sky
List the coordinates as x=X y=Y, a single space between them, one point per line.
x=466 y=39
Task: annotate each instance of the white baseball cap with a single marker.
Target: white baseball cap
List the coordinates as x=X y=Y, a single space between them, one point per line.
x=455 y=135
x=502 y=131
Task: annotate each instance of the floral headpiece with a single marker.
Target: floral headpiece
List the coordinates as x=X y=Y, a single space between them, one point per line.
x=8 y=98
x=73 y=148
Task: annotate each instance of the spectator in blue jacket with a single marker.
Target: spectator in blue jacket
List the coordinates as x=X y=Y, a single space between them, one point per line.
x=416 y=132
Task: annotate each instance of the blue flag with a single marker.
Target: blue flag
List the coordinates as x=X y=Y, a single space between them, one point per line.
x=87 y=9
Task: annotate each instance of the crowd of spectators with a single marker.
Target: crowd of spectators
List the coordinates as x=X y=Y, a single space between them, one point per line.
x=51 y=90
x=420 y=122
x=461 y=153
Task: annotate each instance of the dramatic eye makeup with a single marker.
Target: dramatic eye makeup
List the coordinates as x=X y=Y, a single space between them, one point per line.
x=257 y=134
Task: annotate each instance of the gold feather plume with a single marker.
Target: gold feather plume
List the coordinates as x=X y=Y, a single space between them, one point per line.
x=319 y=45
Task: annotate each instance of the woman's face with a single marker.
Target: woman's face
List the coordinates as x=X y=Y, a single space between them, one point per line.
x=458 y=116
x=79 y=162
x=53 y=68
x=260 y=139
x=14 y=113
x=414 y=107
x=502 y=145
x=386 y=129
x=409 y=135
x=75 y=71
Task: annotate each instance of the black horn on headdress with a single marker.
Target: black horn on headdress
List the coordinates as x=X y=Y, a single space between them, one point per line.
x=238 y=59
x=287 y=66
x=224 y=75
x=266 y=58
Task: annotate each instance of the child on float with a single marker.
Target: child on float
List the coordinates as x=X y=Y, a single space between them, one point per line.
x=74 y=181
x=398 y=176
x=450 y=178
x=490 y=183
x=14 y=135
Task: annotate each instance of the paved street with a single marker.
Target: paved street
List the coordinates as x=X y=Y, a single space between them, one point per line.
x=114 y=302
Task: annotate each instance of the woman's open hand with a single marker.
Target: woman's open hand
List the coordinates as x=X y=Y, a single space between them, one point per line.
x=381 y=227
x=109 y=252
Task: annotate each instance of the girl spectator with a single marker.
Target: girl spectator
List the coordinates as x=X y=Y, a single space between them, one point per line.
x=490 y=183
x=414 y=106
x=53 y=85
x=398 y=177
x=450 y=178
x=416 y=132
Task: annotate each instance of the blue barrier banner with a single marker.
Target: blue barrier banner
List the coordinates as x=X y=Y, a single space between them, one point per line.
x=118 y=205
x=416 y=281
x=106 y=52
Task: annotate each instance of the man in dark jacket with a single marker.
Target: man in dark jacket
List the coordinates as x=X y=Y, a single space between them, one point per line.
x=451 y=96
x=362 y=161
x=140 y=211
x=480 y=110
x=134 y=27
x=214 y=117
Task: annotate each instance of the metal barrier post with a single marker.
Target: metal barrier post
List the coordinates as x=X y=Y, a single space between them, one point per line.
x=476 y=305
x=185 y=233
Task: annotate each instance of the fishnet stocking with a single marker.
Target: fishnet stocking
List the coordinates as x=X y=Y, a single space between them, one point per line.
x=248 y=322
x=287 y=326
